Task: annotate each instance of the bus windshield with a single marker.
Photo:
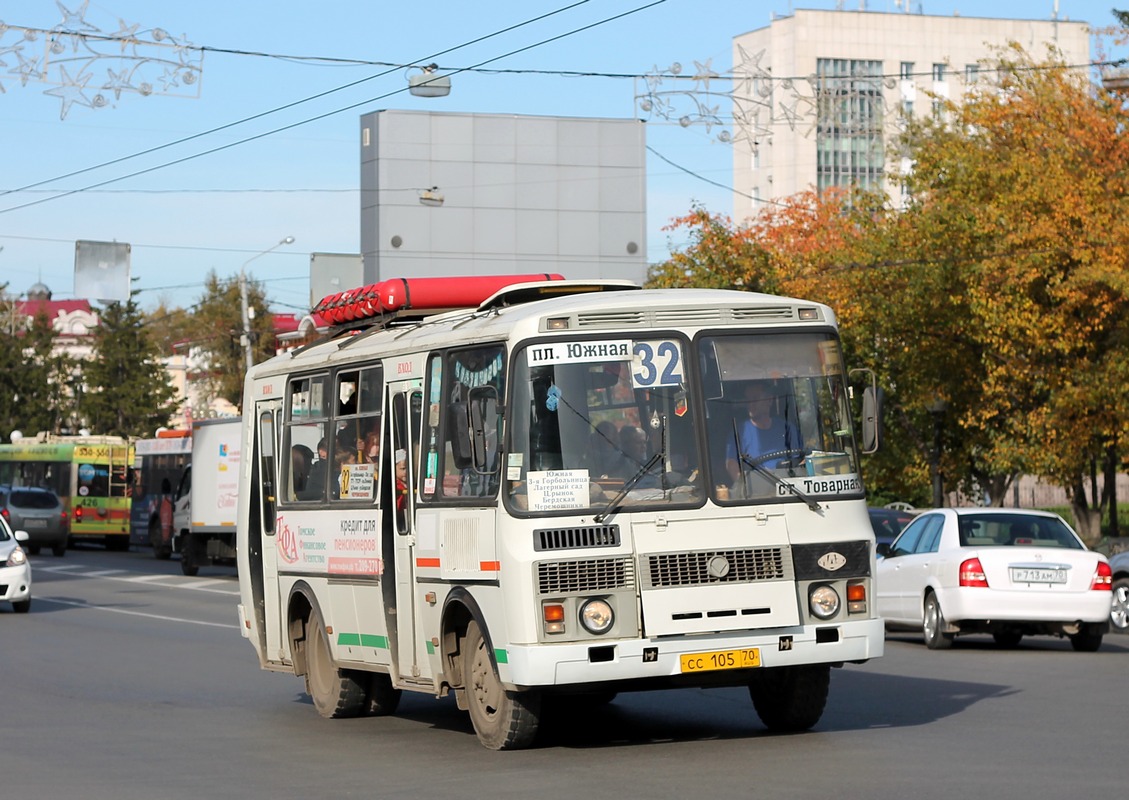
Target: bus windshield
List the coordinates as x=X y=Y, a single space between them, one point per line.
x=599 y=424
x=592 y=420
x=777 y=417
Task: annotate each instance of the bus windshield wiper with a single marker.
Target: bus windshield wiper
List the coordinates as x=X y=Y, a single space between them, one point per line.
x=743 y=459
x=628 y=485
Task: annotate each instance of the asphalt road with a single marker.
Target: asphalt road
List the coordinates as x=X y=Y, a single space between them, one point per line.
x=130 y=680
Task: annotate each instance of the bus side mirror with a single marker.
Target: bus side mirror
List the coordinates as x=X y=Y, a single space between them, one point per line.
x=483 y=426
x=872 y=399
x=458 y=434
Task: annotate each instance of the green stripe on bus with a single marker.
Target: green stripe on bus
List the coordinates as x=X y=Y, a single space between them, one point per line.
x=362 y=640
x=501 y=657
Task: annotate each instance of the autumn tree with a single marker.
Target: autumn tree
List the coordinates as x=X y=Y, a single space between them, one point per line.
x=1025 y=183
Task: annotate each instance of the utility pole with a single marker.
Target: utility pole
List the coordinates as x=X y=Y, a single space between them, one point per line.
x=245 y=339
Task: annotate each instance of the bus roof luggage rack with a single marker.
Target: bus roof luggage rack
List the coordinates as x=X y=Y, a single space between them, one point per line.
x=528 y=292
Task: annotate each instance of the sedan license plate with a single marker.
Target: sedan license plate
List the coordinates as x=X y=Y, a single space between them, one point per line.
x=1035 y=575
x=722 y=659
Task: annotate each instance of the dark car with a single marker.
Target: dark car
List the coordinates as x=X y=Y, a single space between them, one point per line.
x=888 y=523
x=40 y=512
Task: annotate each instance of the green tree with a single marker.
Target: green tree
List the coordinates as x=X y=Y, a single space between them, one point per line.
x=216 y=335
x=127 y=387
x=48 y=380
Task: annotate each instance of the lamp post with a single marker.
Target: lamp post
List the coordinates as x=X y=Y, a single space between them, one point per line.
x=937 y=412
x=245 y=339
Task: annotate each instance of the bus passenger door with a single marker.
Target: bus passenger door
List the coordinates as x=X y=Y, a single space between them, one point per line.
x=263 y=544
x=407 y=403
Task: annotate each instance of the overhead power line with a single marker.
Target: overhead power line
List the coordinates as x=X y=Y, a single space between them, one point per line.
x=277 y=109
x=319 y=116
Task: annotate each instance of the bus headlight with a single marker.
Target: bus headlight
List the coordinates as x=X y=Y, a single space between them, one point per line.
x=824 y=601
x=597 y=616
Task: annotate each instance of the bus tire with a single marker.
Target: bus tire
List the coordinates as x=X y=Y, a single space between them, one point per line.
x=162 y=551
x=503 y=720
x=336 y=692
x=791 y=699
x=383 y=699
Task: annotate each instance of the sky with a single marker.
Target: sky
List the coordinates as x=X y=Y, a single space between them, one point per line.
x=255 y=138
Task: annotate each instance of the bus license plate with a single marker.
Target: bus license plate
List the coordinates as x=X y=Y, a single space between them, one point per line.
x=722 y=659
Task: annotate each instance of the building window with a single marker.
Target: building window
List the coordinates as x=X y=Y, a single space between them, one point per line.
x=850 y=150
x=938 y=72
x=905 y=72
x=971 y=73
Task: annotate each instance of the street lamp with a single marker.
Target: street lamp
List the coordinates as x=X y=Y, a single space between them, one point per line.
x=245 y=339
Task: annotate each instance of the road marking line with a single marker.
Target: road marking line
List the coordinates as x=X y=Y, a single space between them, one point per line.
x=41 y=599
x=201 y=584
x=104 y=572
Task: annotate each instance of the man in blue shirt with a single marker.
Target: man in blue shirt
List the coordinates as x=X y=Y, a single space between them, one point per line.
x=762 y=431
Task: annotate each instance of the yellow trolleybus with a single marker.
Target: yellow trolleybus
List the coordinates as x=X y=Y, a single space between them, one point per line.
x=90 y=474
x=521 y=489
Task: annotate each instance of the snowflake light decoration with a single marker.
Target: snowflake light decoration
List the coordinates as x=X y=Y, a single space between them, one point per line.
x=89 y=66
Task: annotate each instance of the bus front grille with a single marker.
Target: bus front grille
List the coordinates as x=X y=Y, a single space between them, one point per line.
x=588 y=575
x=666 y=570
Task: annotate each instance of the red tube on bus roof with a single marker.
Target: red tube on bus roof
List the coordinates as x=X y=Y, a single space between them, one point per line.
x=402 y=294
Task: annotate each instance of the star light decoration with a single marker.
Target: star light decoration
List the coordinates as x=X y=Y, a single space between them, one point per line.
x=756 y=100
x=74 y=56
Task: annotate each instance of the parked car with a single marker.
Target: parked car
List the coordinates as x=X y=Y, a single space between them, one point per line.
x=40 y=512
x=15 y=571
x=888 y=523
x=1119 y=608
x=1006 y=572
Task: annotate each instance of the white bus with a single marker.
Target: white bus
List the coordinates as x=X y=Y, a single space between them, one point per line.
x=578 y=511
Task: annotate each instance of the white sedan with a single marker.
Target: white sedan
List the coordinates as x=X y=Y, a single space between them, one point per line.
x=15 y=572
x=1004 y=571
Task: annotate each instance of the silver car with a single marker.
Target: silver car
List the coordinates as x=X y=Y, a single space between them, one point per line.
x=40 y=512
x=1119 y=609
x=15 y=572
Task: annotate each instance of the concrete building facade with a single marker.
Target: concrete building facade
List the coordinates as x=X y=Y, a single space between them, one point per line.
x=820 y=94
x=501 y=194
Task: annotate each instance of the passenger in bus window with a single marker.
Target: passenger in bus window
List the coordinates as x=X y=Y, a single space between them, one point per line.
x=401 y=488
x=603 y=450
x=301 y=461
x=371 y=449
x=315 y=481
x=633 y=443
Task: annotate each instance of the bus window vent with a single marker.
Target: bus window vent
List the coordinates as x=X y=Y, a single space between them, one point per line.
x=611 y=319
x=572 y=538
x=760 y=314
x=590 y=575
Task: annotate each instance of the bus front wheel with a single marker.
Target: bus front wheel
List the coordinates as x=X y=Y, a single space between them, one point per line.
x=791 y=699
x=503 y=720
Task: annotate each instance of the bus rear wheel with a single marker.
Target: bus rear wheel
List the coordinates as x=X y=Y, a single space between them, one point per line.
x=791 y=699
x=336 y=692
x=503 y=720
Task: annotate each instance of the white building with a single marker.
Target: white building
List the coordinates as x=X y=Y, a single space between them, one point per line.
x=823 y=91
